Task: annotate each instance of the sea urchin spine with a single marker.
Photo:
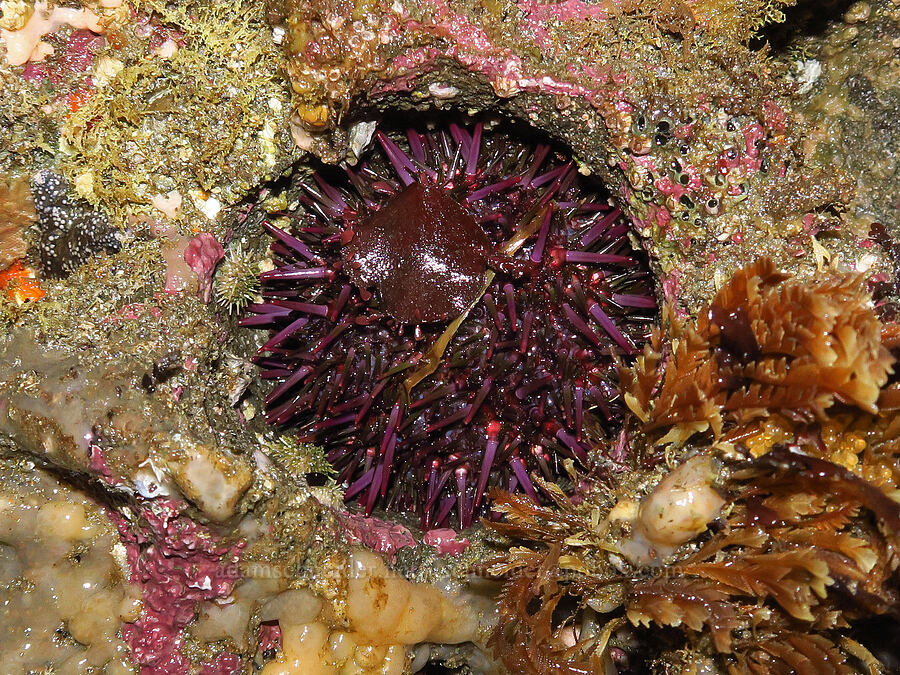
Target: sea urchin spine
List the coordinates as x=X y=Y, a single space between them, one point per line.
x=445 y=319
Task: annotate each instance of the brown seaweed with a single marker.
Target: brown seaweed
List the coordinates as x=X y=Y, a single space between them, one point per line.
x=16 y=214
x=788 y=378
x=766 y=344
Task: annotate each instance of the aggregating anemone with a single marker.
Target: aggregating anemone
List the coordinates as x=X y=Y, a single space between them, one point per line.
x=445 y=318
x=71 y=231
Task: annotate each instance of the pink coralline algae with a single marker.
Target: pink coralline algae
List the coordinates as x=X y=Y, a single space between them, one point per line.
x=133 y=312
x=178 y=563
x=202 y=255
x=269 y=637
x=156 y=34
x=97 y=463
x=76 y=57
x=445 y=541
x=538 y=14
x=225 y=663
x=379 y=535
x=563 y=10
x=445 y=319
x=471 y=46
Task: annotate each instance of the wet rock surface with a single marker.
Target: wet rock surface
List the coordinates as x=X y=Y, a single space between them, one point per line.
x=693 y=131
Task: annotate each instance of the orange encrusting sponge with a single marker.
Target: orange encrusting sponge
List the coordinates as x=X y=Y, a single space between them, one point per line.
x=20 y=283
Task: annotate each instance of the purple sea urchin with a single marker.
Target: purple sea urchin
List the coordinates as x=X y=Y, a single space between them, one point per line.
x=445 y=319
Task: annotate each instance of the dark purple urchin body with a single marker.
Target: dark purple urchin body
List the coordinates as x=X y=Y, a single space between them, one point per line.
x=381 y=265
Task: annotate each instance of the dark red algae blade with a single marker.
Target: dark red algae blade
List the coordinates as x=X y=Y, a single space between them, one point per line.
x=423 y=252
